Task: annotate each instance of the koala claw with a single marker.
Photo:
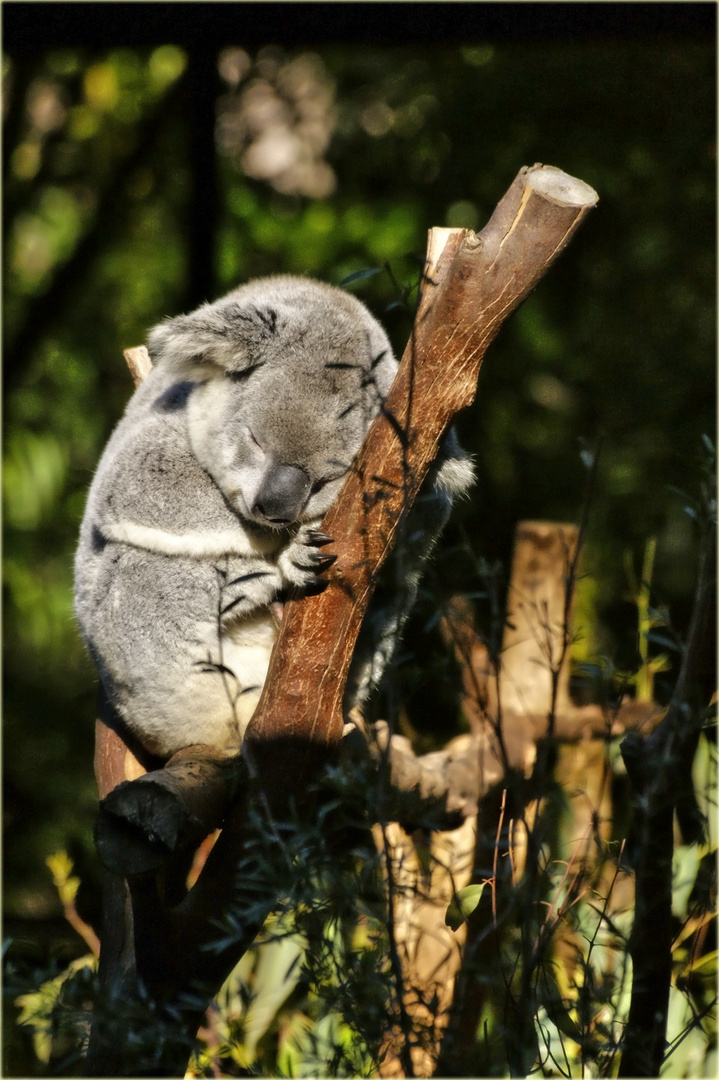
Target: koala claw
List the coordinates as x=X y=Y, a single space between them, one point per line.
x=317 y=538
x=324 y=561
x=301 y=562
x=314 y=588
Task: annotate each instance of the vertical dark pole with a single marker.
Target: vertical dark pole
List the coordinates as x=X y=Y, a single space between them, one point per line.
x=659 y=768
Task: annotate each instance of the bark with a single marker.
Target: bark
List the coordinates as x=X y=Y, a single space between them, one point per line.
x=472 y=285
x=139 y=362
x=143 y=823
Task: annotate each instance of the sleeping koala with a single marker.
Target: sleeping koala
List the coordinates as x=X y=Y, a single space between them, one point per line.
x=206 y=505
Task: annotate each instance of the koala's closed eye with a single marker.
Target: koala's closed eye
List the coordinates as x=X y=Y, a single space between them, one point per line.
x=325 y=480
x=240 y=376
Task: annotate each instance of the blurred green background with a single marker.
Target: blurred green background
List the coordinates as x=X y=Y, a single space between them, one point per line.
x=165 y=153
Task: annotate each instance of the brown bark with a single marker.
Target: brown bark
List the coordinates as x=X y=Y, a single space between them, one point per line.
x=142 y=823
x=470 y=289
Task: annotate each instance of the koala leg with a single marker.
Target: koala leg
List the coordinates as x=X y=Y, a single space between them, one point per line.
x=182 y=646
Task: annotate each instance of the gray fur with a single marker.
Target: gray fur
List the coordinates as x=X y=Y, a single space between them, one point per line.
x=205 y=503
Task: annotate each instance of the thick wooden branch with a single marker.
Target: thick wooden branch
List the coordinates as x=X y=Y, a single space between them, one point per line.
x=144 y=822
x=470 y=288
x=118 y=757
x=473 y=283
x=440 y=789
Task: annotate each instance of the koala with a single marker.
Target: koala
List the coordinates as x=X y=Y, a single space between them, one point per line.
x=205 y=508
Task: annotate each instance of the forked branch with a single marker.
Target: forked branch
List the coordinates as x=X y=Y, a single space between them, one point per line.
x=472 y=284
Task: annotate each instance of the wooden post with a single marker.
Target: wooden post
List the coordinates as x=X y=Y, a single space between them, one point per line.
x=522 y=705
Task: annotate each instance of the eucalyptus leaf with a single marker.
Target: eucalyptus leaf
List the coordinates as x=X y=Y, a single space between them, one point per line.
x=462 y=904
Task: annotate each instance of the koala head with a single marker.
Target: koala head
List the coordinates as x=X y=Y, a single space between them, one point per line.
x=289 y=375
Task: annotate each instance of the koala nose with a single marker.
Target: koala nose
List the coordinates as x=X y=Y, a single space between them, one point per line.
x=282 y=494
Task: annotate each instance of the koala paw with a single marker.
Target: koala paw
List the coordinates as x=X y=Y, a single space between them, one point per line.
x=301 y=562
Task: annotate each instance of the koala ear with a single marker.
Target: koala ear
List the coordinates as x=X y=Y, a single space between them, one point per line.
x=207 y=343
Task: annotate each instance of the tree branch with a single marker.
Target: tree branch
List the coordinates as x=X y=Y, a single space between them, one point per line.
x=470 y=288
x=473 y=283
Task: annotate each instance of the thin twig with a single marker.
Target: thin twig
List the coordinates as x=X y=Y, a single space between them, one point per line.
x=494 y=858
x=405 y=1023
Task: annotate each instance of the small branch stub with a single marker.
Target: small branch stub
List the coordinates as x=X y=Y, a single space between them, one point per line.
x=144 y=822
x=139 y=362
x=561 y=188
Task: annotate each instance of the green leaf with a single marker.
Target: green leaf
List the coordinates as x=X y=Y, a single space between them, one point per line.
x=462 y=905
